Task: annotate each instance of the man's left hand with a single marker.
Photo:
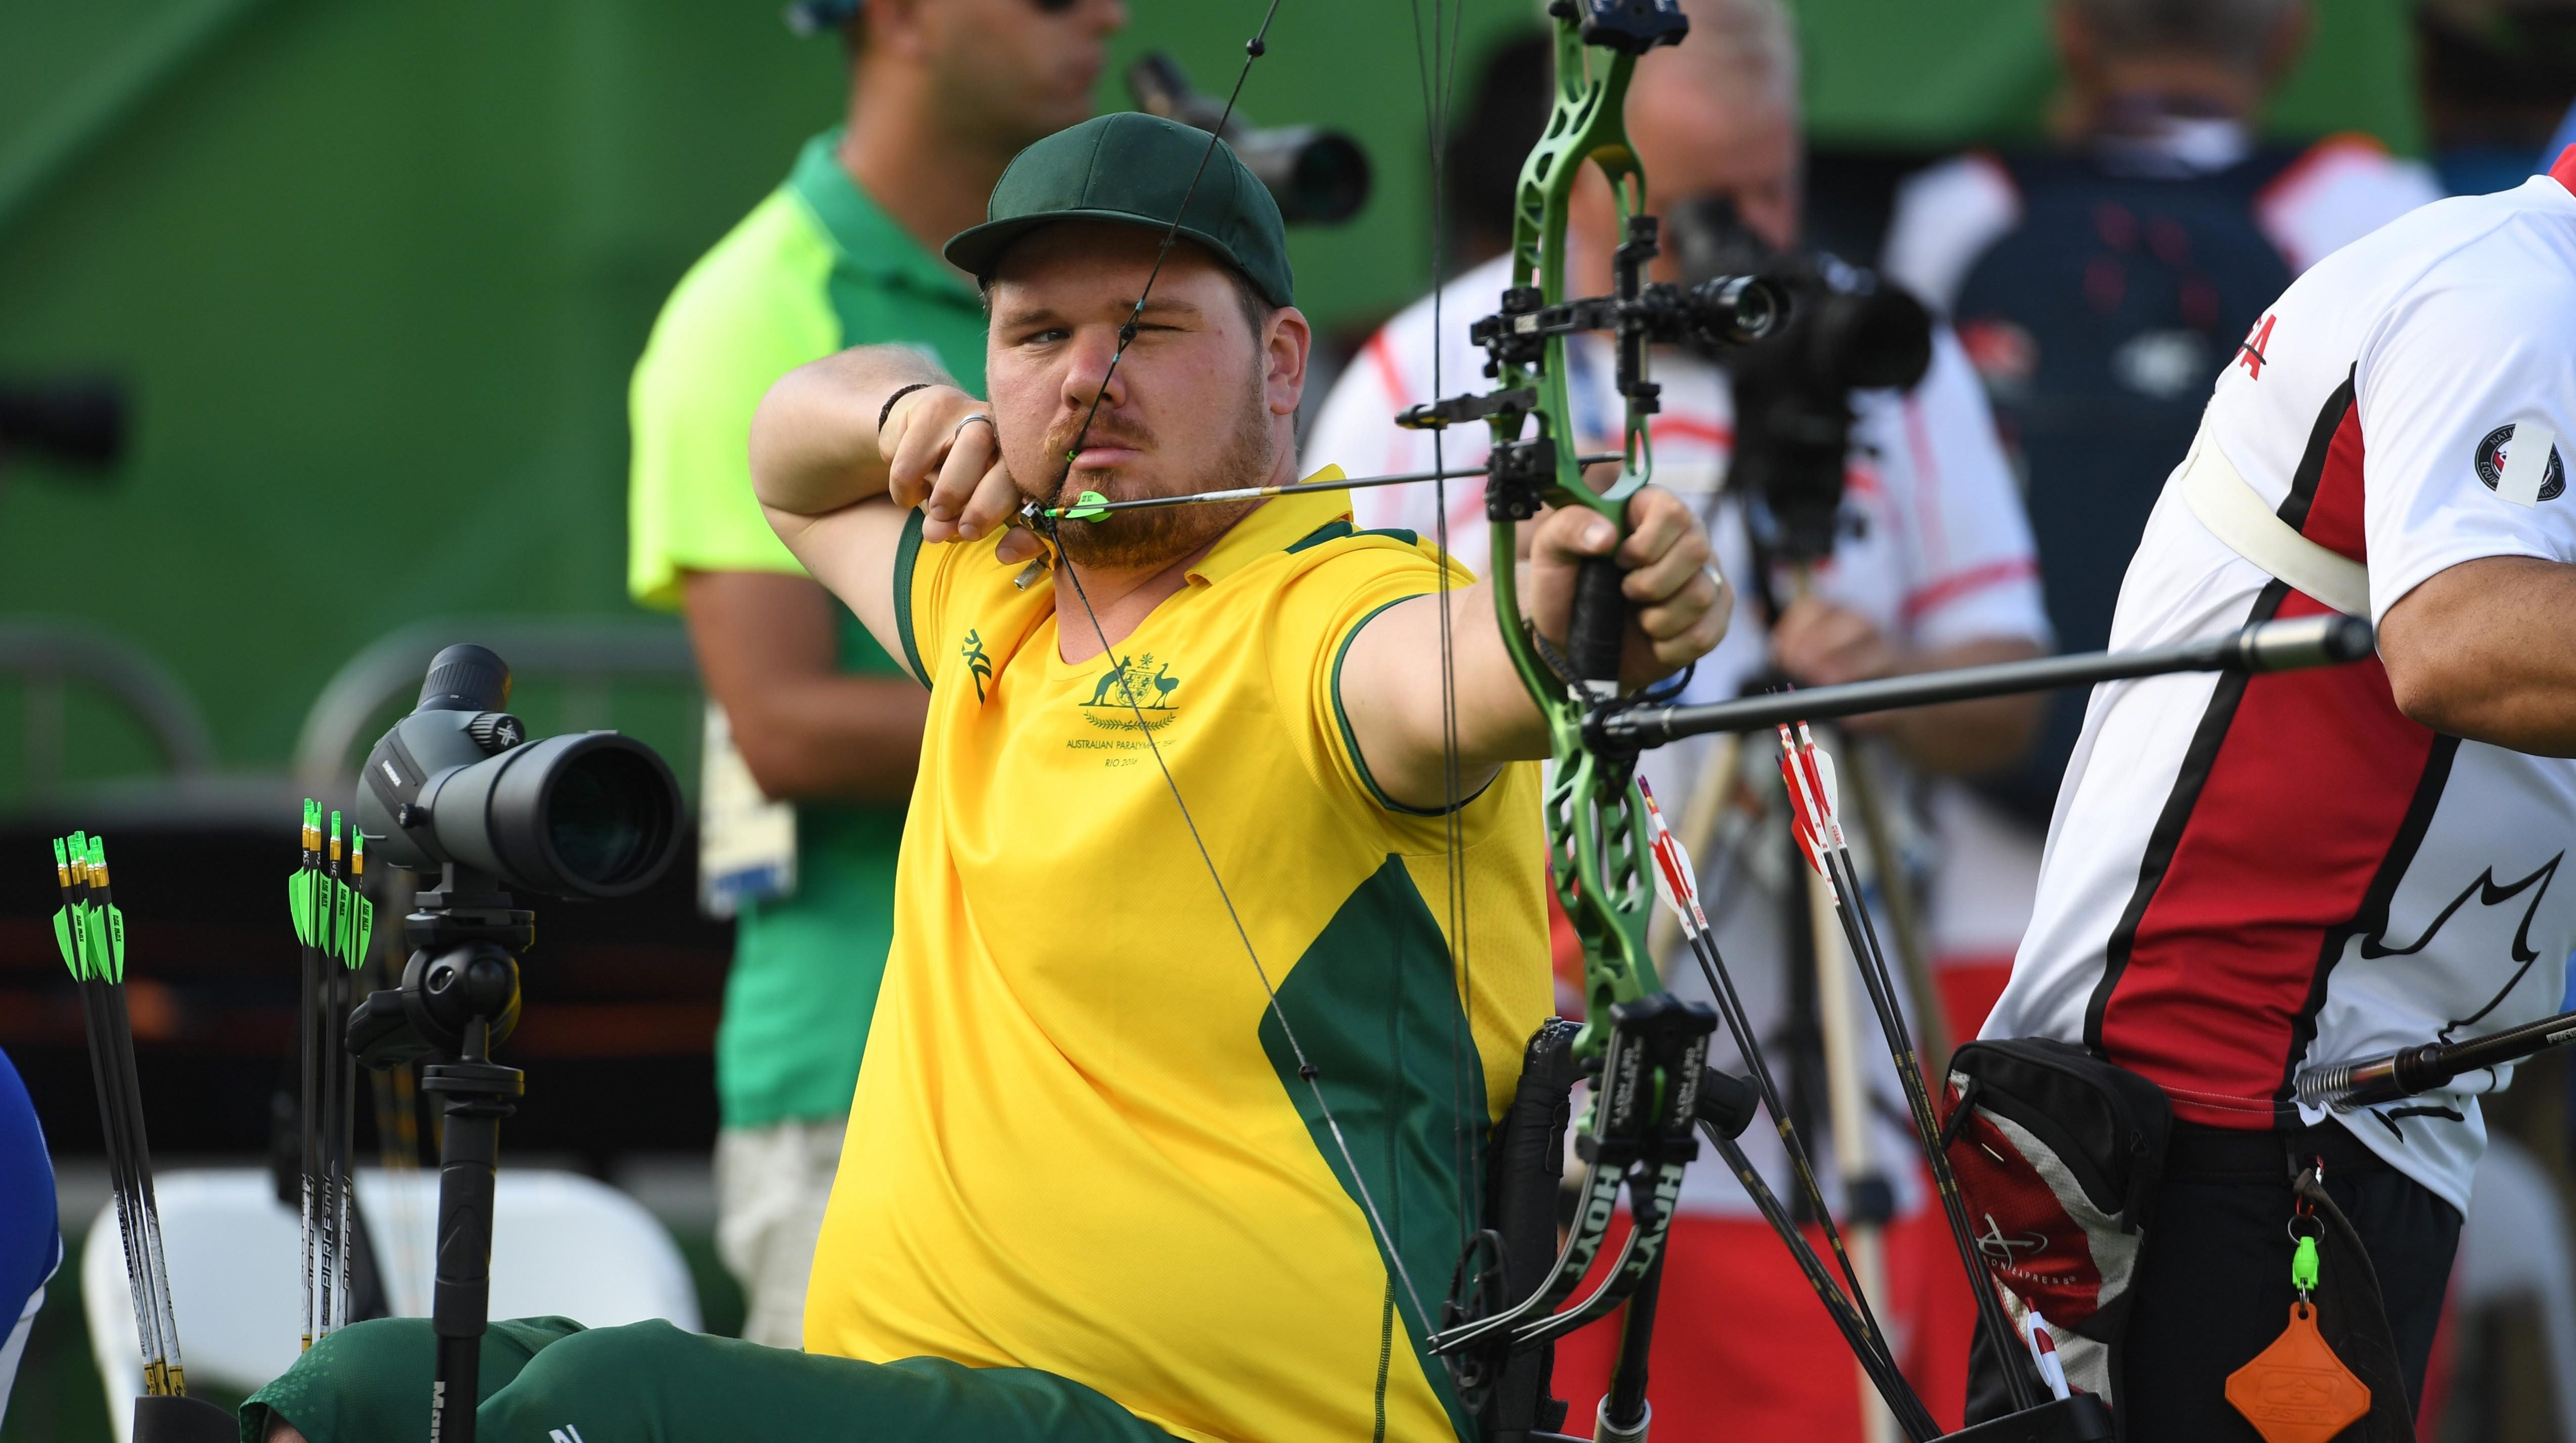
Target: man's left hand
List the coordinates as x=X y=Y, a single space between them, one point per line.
x=1678 y=604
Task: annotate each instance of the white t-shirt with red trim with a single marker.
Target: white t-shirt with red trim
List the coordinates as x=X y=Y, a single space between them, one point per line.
x=2249 y=876
x=1936 y=552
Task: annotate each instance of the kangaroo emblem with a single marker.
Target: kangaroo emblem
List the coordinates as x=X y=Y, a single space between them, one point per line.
x=1116 y=677
x=1128 y=685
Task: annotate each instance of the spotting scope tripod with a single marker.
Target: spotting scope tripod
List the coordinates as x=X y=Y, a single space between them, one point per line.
x=459 y=1000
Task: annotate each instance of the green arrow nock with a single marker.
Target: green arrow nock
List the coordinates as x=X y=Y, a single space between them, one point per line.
x=106 y=920
x=66 y=933
x=362 y=910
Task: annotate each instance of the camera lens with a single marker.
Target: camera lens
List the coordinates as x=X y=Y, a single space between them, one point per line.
x=608 y=817
x=1318 y=177
x=593 y=814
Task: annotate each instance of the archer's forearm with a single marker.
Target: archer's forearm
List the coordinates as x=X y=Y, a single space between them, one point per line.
x=814 y=438
x=2484 y=651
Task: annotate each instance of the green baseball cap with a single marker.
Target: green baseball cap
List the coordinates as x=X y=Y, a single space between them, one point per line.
x=1133 y=169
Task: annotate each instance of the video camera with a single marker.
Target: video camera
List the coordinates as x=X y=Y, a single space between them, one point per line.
x=1318 y=177
x=1846 y=331
x=77 y=423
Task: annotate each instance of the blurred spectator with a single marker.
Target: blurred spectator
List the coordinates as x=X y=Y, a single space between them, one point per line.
x=942 y=94
x=2100 y=287
x=1931 y=567
x=2496 y=78
x=31 y=1243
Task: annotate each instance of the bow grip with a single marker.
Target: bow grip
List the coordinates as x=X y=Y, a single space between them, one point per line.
x=1597 y=631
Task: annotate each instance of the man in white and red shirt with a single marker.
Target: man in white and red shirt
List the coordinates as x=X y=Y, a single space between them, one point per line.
x=2248 y=877
x=1933 y=569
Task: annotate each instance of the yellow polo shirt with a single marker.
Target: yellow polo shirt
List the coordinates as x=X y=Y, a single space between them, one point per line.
x=1079 y=1141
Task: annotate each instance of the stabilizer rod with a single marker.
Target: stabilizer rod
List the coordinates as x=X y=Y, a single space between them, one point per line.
x=2304 y=641
x=2345 y=1086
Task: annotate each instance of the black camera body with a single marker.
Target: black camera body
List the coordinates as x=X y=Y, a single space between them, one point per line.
x=1317 y=176
x=1847 y=330
x=457 y=782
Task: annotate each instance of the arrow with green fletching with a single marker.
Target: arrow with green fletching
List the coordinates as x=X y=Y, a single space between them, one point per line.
x=68 y=931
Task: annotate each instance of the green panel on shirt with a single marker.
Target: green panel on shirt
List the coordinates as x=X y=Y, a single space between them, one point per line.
x=814 y=268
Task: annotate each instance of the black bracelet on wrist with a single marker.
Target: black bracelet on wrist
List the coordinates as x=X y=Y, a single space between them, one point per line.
x=886 y=411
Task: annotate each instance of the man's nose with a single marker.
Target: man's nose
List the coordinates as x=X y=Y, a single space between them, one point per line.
x=1088 y=361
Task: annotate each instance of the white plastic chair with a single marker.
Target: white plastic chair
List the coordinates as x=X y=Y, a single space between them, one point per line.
x=562 y=1243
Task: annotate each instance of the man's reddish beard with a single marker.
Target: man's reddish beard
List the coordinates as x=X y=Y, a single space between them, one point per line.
x=1134 y=540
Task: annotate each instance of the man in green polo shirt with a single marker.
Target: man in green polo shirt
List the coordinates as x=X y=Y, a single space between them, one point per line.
x=942 y=94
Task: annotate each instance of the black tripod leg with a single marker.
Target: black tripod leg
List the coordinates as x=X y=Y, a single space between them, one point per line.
x=478 y=1097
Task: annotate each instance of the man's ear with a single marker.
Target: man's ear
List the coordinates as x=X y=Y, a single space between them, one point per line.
x=894 y=29
x=1286 y=341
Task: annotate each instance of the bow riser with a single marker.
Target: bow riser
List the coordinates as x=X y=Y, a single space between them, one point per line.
x=1599 y=863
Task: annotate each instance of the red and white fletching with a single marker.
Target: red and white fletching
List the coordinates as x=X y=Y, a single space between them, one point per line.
x=1674 y=874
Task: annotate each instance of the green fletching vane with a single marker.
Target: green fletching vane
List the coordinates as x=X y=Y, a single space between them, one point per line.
x=1089 y=506
x=364 y=930
x=300 y=907
x=63 y=938
x=115 y=943
x=340 y=910
x=95 y=921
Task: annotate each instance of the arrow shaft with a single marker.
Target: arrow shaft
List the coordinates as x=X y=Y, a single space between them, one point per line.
x=1255 y=493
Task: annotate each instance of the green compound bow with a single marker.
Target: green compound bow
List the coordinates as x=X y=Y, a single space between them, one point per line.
x=1649 y=1048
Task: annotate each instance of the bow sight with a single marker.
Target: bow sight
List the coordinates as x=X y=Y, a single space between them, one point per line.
x=1715 y=314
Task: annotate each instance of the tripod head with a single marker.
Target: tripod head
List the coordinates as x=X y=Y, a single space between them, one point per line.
x=459 y=996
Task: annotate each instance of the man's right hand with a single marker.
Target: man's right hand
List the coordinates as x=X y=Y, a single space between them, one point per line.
x=943 y=455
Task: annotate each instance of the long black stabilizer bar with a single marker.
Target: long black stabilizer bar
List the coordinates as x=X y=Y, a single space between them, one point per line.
x=2345 y=1086
x=2305 y=641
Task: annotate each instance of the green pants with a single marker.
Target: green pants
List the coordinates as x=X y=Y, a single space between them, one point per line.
x=549 y=1380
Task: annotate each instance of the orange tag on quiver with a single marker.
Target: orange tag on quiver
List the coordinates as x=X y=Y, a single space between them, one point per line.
x=2297 y=1390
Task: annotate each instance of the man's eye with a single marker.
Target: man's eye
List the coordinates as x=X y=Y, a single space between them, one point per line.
x=1047 y=337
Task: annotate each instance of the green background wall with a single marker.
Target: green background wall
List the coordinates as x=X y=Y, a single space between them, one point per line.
x=375 y=269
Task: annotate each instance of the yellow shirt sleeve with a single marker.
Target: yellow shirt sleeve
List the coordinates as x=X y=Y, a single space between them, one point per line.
x=936 y=584
x=1321 y=612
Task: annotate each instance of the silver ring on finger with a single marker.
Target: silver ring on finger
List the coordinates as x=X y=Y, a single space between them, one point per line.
x=970 y=419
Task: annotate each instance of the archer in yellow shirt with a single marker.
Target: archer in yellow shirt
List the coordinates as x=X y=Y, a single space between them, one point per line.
x=1217 y=936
